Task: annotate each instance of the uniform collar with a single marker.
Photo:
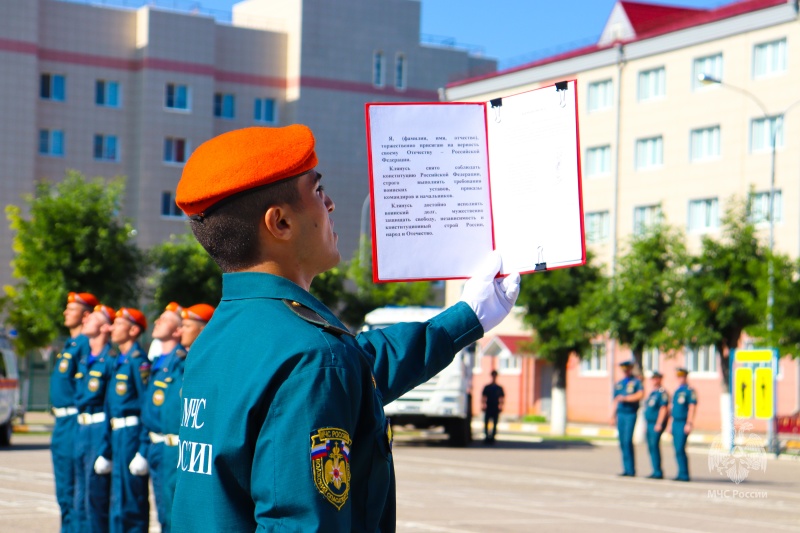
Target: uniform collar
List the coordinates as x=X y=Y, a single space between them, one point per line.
x=91 y=359
x=124 y=357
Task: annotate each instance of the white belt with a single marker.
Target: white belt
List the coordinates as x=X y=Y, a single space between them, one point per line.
x=64 y=411
x=157 y=438
x=85 y=419
x=171 y=440
x=125 y=422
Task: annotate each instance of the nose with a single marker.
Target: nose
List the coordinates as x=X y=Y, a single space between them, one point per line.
x=329 y=204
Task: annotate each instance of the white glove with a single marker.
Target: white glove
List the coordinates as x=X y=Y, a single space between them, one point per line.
x=102 y=466
x=491 y=298
x=138 y=466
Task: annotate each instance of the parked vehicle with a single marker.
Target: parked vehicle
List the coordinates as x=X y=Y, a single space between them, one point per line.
x=10 y=406
x=444 y=400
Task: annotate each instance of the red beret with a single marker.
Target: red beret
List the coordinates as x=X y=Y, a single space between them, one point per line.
x=83 y=298
x=241 y=160
x=175 y=307
x=200 y=312
x=106 y=311
x=134 y=315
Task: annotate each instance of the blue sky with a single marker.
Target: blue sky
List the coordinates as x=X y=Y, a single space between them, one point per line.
x=515 y=31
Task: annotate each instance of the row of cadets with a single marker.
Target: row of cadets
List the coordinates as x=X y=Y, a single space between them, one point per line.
x=62 y=398
x=151 y=434
x=92 y=378
x=194 y=319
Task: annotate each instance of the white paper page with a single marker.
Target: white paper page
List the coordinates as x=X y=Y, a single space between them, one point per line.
x=535 y=179
x=430 y=196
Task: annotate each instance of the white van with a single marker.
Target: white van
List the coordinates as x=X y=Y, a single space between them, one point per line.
x=10 y=407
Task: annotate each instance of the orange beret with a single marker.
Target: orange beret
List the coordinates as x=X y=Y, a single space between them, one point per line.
x=134 y=315
x=201 y=312
x=241 y=160
x=175 y=307
x=106 y=311
x=83 y=298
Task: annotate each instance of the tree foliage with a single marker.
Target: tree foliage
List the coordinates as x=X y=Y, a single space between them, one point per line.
x=70 y=238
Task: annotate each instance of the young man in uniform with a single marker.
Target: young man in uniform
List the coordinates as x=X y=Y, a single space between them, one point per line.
x=151 y=436
x=492 y=401
x=656 y=412
x=627 y=394
x=194 y=321
x=684 y=407
x=130 y=507
x=94 y=373
x=283 y=424
x=62 y=398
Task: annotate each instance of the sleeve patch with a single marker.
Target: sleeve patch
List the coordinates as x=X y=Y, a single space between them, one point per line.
x=330 y=464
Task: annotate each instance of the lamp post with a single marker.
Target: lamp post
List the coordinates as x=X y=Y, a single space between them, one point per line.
x=773 y=123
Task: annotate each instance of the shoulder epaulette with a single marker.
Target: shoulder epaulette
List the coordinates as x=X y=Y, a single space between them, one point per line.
x=180 y=352
x=309 y=315
x=136 y=354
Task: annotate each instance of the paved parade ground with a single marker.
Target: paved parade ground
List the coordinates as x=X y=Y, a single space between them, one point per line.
x=520 y=484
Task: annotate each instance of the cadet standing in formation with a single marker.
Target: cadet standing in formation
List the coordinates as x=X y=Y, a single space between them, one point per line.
x=627 y=394
x=684 y=407
x=194 y=321
x=94 y=373
x=656 y=413
x=62 y=398
x=283 y=420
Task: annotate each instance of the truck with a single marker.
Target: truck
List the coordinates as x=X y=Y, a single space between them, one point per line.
x=444 y=400
x=10 y=406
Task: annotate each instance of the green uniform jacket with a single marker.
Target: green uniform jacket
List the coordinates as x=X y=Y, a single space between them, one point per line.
x=282 y=424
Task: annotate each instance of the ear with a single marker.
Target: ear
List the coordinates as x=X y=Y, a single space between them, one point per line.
x=279 y=222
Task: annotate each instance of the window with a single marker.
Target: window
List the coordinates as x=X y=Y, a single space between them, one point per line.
x=762 y=131
x=224 y=105
x=264 y=110
x=168 y=206
x=598 y=227
x=400 y=72
x=649 y=153
x=595 y=363
x=51 y=142
x=769 y=58
x=174 y=150
x=644 y=217
x=759 y=207
x=598 y=161
x=106 y=93
x=710 y=65
x=651 y=361
x=52 y=87
x=177 y=97
x=703 y=214
x=704 y=144
x=508 y=363
x=652 y=84
x=105 y=147
x=701 y=360
x=378 y=74
x=600 y=95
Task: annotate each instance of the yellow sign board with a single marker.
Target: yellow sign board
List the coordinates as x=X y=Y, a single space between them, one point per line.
x=743 y=392
x=753 y=356
x=765 y=397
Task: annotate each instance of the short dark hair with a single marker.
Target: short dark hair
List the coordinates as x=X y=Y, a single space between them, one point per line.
x=229 y=231
x=494 y=373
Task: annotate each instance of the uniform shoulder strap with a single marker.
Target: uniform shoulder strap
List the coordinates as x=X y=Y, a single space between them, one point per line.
x=309 y=315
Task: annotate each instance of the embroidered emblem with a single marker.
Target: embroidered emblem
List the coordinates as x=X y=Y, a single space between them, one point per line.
x=630 y=388
x=330 y=464
x=121 y=387
x=389 y=434
x=63 y=366
x=681 y=399
x=94 y=384
x=158 y=397
x=374 y=384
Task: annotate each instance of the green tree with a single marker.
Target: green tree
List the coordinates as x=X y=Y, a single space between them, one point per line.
x=785 y=334
x=72 y=239
x=184 y=273
x=563 y=307
x=644 y=288
x=329 y=287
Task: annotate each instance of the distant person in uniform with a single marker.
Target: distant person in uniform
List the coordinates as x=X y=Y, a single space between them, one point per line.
x=130 y=505
x=95 y=370
x=684 y=408
x=628 y=392
x=62 y=398
x=285 y=400
x=656 y=414
x=492 y=401
x=194 y=319
x=147 y=460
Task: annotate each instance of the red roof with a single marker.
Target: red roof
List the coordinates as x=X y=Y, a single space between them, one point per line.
x=514 y=343
x=648 y=21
